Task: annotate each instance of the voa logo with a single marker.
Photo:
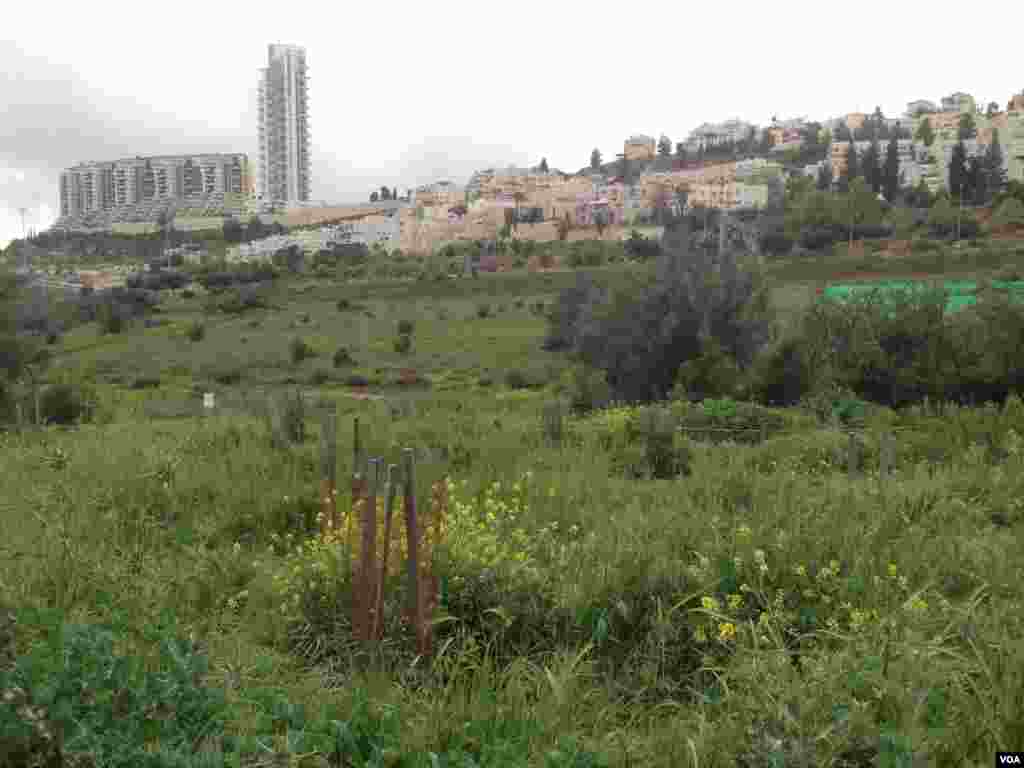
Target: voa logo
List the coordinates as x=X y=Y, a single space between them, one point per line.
x=1014 y=759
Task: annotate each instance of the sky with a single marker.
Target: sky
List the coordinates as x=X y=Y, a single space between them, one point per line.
x=405 y=93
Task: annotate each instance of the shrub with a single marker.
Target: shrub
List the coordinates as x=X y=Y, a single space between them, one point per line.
x=188 y=293
x=287 y=419
x=1009 y=214
x=319 y=377
x=344 y=305
x=405 y=327
x=520 y=379
x=108 y=315
x=483 y=310
x=403 y=344
x=586 y=388
x=299 y=350
x=712 y=373
x=62 y=404
x=146 y=382
x=782 y=375
x=342 y=358
x=776 y=243
x=228 y=376
x=196 y=331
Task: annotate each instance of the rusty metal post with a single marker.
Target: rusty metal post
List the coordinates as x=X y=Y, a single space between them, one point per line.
x=378 y=616
x=368 y=554
x=412 y=541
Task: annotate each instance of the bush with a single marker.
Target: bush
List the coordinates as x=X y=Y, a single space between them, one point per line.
x=342 y=358
x=299 y=350
x=520 y=379
x=712 y=373
x=782 y=375
x=108 y=315
x=188 y=293
x=405 y=327
x=776 y=243
x=483 y=310
x=344 y=305
x=228 y=376
x=196 y=331
x=62 y=404
x=1009 y=214
x=403 y=344
x=146 y=382
x=586 y=388
x=319 y=377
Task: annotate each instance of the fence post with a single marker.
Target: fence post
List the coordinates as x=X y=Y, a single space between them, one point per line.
x=368 y=555
x=853 y=456
x=356 y=512
x=328 y=472
x=412 y=541
x=887 y=452
x=389 y=507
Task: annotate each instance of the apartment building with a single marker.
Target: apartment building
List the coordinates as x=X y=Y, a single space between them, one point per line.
x=920 y=107
x=640 y=147
x=958 y=102
x=715 y=134
x=95 y=187
x=283 y=126
x=912 y=156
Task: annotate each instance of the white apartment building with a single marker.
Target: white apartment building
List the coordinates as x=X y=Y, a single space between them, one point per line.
x=95 y=187
x=283 y=126
x=713 y=134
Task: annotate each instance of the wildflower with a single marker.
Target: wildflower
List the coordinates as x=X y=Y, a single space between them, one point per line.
x=709 y=604
x=726 y=631
x=916 y=604
x=892 y=570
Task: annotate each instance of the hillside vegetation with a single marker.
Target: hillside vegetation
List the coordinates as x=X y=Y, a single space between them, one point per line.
x=693 y=517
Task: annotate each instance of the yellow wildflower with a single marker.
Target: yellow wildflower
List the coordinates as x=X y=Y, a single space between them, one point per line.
x=726 y=631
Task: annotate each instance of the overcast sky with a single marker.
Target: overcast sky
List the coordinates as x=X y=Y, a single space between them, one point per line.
x=403 y=93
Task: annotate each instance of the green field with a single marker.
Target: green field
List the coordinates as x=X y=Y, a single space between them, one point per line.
x=775 y=604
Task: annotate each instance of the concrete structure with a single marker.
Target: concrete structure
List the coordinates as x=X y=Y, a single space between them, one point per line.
x=98 y=187
x=715 y=134
x=958 y=102
x=639 y=147
x=920 y=107
x=283 y=126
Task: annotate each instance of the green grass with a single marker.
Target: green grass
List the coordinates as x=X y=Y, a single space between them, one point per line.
x=624 y=621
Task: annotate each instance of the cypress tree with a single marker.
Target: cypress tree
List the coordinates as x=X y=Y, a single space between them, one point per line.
x=891 y=171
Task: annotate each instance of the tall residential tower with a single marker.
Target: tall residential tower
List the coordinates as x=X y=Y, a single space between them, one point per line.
x=283 y=109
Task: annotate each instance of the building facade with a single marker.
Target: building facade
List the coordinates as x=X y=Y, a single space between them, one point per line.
x=97 y=187
x=283 y=130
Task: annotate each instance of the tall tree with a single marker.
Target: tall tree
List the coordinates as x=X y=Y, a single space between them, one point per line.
x=543 y=165
x=871 y=170
x=995 y=173
x=891 y=170
x=852 y=168
x=664 y=146
x=958 y=170
x=374 y=196
x=681 y=153
x=825 y=176
x=394 y=193
x=967 y=128
x=385 y=193
x=974 y=181
x=925 y=133
x=595 y=159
